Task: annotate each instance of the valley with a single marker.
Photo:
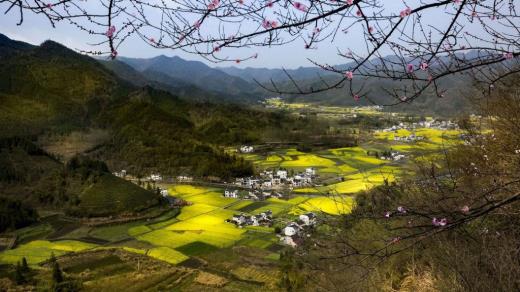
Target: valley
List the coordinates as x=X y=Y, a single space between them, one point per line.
x=195 y=235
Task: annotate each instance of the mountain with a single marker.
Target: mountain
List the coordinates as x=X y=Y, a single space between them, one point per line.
x=265 y=75
x=195 y=73
x=455 y=101
x=180 y=88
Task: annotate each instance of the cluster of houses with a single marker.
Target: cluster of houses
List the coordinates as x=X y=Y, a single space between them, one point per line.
x=293 y=233
x=255 y=194
x=410 y=138
x=246 y=149
x=262 y=219
x=393 y=155
x=434 y=124
x=270 y=179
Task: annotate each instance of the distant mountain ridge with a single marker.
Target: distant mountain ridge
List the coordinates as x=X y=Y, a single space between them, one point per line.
x=183 y=72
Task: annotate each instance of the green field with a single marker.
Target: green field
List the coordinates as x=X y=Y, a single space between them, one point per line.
x=38 y=251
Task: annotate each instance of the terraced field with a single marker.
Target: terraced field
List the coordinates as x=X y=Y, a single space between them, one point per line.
x=201 y=227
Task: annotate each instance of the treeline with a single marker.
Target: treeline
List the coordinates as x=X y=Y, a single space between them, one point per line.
x=14 y=214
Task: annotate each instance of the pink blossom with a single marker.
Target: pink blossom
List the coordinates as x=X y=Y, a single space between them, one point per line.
x=270 y=4
x=403 y=98
x=405 y=12
x=441 y=222
x=266 y=24
x=396 y=240
x=113 y=54
x=350 y=2
x=241 y=1
x=152 y=40
x=216 y=48
x=359 y=13
x=401 y=210
x=370 y=29
x=196 y=24
x=300 y=6
x=465 y=209
x=474 y=13
x=409 y=68
x=508 y=56
x=110 y=31
x=349 y=75
x=356 y=98
x=424 y=66
x=387 y=213
x=214 y=4
x=456 y=1
x=274 y=24
x=49 y=5
x=237 y=61
x=430 y=78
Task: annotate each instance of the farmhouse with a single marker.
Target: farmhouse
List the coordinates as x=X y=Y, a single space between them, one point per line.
x=293 y=232
x=121 y=174
x=246 y=149
x=155 y=177
x=231 y=194
x=242 y=219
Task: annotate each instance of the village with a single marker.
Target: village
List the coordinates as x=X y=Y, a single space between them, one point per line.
x=293 y=232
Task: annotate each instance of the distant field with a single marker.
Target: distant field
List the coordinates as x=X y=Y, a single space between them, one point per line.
x=333 y=205
x=38 y=251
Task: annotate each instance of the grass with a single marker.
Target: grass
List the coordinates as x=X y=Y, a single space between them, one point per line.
x=308 y=160
x=211 y=198
x=239 y=205
x=168 y=255
x=114 y=232
x=38 y=251
x=195 y=210
x=196 y=248
x=335 y=205
x=32 y=232
x=138 y=230
x=252 y=207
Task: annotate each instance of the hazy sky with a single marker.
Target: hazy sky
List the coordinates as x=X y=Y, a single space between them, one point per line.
x=36 y=29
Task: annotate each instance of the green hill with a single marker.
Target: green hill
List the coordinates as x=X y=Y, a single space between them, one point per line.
x=81 y=187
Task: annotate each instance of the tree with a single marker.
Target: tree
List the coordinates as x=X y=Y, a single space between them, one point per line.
x=25 y=266
x=414 y=44
x=19 y=275
x=449 y=226
x=57 y=274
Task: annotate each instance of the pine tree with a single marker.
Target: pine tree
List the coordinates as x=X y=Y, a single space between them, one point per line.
x=57 y=275
x=25 y=266
x=18 y=276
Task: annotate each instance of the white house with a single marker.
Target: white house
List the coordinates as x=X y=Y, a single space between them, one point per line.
x=291 y=229
x=155 y=177
x=164 y=193
x=231 y=194
x=310 y=171
x=282 y=173
x=308 y=219
x=246 y=149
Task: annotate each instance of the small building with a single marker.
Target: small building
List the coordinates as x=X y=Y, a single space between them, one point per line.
x=231 y=194
x=310 y=171
x=246 y=149
x=282 y=173
x=308 y=219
